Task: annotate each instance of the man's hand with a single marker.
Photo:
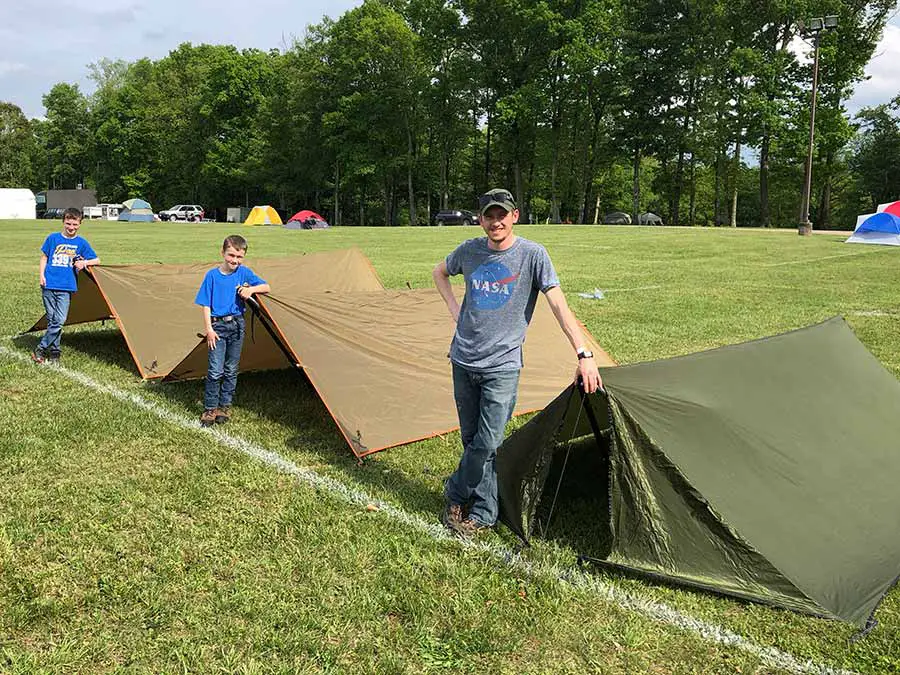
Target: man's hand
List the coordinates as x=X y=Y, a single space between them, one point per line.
x=589 y=375
x=211 y=339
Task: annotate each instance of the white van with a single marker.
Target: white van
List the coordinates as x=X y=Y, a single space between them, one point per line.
x=103 y=211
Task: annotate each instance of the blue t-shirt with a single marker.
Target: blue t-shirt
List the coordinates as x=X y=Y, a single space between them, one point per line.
x=219 y=291
x=501 y=291
x=61 y=253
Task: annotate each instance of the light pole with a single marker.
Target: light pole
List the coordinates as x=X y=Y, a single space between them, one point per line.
x=816 y=26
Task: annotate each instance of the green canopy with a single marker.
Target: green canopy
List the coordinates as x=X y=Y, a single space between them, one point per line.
x=766 y=470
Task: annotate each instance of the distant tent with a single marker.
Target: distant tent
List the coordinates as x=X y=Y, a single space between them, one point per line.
x=765 y=470
x=17 y=203
x=263 y=215
x=881 y=227
x=617 y=218
x=306 y=220
x=136 y=210
x=649 y=218
x=329 y=315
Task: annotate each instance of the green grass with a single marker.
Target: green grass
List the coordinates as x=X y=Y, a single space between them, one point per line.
x=130 y=543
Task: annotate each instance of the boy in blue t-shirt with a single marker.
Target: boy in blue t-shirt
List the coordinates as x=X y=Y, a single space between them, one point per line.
x=63 y=255
x=222 y=296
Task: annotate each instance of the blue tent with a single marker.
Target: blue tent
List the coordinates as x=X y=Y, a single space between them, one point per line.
x=878 y=228
x=137 y=210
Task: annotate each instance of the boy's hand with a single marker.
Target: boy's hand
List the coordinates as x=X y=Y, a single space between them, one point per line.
x=245 y=292
x=211 y=339
x=43 y=281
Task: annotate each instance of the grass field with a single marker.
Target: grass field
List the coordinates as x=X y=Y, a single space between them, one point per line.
x=131 y=540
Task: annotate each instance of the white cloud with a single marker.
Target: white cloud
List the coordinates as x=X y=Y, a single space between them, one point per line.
x=883 y=81
x=7 y=67
x=36 y=53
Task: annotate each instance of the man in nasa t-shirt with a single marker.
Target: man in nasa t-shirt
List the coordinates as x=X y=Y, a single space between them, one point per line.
x=503 y=274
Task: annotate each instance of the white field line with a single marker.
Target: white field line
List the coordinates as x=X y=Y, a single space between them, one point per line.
x=658 y=611
x=635 y=288
x=827 y=257
x=874 y=312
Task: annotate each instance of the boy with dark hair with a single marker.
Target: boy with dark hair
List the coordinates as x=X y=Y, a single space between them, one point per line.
x=63 y=255
x=222 y=295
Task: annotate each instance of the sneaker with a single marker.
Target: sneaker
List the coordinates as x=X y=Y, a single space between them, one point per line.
x=452 y=516
x=223 y=414
x=53 y=357
x=38 y=356
x=469 y=528
x=208 y=418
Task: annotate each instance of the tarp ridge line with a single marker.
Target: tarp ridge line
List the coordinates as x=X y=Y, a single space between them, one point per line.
x=658 y=611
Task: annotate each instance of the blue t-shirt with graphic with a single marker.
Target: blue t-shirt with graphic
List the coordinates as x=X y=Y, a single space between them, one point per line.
x=501 y=291
x=61 y=252
x=219 y=291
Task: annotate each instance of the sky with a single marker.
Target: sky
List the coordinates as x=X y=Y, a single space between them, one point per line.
x=43 y=42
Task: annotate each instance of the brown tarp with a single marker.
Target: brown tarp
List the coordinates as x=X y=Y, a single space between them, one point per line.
x=379 y=361
x=154 y=308
x=377 y=357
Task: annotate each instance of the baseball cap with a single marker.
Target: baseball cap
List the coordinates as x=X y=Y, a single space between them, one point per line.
x=498 y=197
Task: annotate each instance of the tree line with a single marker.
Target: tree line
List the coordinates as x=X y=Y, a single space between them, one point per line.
x=402 y=107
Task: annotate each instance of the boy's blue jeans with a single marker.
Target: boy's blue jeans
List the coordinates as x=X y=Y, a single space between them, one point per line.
x=56 y=305
x=222 y=370
x=484 y=403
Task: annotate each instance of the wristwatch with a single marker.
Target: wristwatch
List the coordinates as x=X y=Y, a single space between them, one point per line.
x=585 y=354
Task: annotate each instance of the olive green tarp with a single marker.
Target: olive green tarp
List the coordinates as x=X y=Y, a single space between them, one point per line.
x=765 y=470
x=378 y=358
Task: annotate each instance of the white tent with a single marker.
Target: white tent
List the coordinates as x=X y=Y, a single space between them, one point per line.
x=17 y=203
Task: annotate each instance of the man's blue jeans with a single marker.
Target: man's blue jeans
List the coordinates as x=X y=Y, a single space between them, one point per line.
x=484 y=403
x=56 y=305
x=222 y=370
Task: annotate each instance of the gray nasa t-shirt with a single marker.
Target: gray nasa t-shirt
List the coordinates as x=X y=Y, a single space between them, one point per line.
x=501 y=291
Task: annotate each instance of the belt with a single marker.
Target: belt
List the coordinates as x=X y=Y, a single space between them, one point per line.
x=227 y=318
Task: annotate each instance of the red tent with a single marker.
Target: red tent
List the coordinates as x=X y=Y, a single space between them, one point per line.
x=300 y=216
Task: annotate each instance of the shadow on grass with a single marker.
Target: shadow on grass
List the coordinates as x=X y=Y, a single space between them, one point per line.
x=284 y=398
x=106 y=345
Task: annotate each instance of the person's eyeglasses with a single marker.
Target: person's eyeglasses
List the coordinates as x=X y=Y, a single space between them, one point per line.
x=495 y=196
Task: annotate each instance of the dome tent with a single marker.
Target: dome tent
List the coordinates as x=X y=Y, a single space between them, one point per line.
x=881 y=227
x=136 y=210
x=306 y=220
x=263 y=215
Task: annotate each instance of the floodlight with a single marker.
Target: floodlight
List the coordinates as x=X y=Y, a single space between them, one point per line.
x=815 y=25
x=831 y=21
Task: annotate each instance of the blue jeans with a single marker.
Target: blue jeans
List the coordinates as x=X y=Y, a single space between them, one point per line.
x=222 y=370
x=484 y=403
x=56 y=305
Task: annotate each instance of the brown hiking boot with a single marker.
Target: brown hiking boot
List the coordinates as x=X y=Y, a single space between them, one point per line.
x=223 y=414
x=470 y=528
x=452 y=516
x=208 y=418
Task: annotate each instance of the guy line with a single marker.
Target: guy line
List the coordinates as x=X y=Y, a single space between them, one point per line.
x=573 y=576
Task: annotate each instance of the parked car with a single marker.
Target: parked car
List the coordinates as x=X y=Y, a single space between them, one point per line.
x=455 y=217
x=53 y=214
x=188 y=212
